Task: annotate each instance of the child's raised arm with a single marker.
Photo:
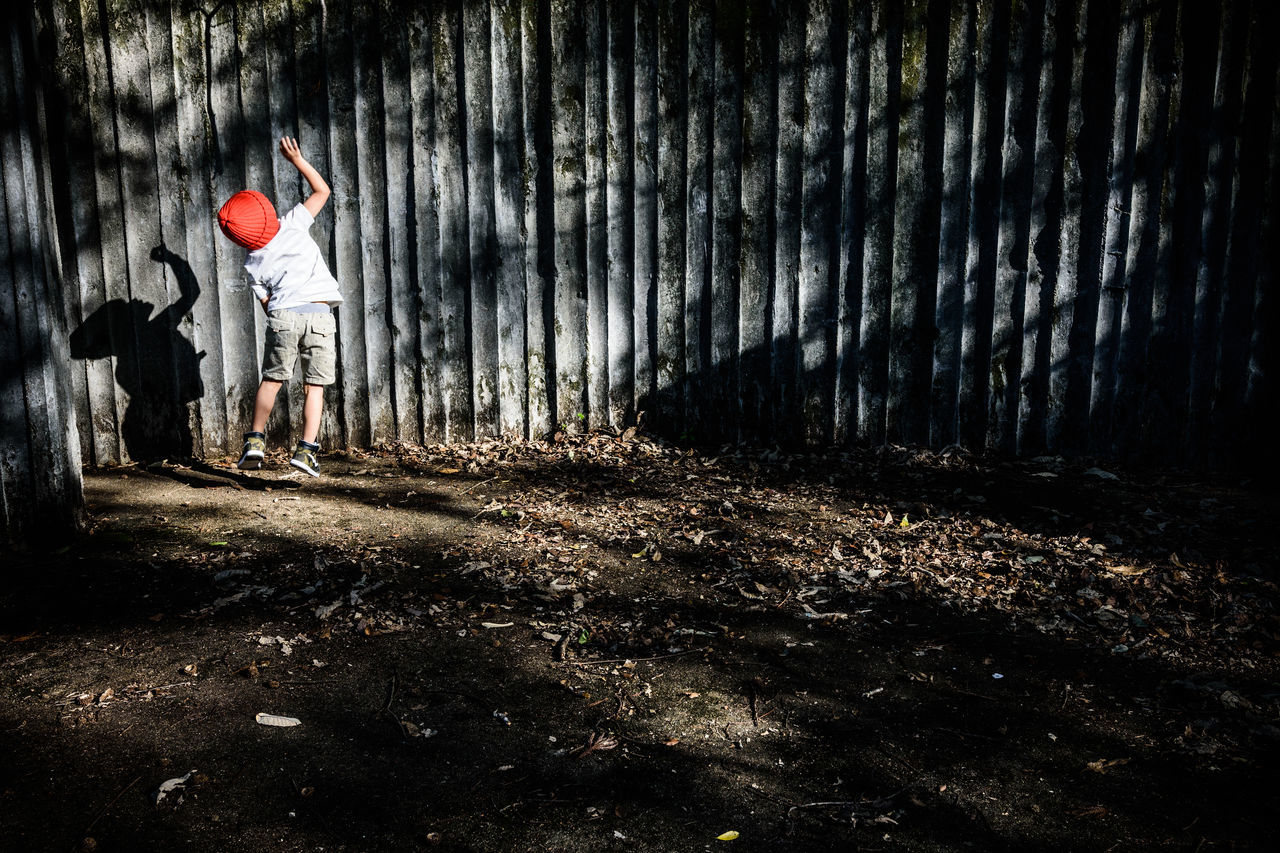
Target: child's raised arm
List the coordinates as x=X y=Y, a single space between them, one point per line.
x=319 y=189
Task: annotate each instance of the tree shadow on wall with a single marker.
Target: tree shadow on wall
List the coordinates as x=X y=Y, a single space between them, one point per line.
x=156 y=366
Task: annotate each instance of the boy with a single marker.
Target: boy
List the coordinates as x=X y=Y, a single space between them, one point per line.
x=297 y=290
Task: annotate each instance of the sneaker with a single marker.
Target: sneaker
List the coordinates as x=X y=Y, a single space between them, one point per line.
x=255 y=447
x=304 y=458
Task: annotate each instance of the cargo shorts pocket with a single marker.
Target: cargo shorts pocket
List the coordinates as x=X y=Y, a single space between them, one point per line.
x=319 y=350
x=323 y=324
x=280 y=349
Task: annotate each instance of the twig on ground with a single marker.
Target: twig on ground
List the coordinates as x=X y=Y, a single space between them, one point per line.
x=852 y=805
x=624 y=660
x=391 y=696
x=825 y=803
x=105 y=808
x=964 y=734
x=536 y=802
x=303 y=683
x=477 y=485
x=391 y=690
x=167 y=686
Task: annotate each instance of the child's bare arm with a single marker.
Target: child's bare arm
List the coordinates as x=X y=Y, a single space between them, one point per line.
x=319 y=189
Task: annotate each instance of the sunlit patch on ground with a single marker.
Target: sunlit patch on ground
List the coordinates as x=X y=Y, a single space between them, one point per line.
x=605 y=642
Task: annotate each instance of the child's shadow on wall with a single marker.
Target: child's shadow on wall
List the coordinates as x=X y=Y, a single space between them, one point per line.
x=156 y=366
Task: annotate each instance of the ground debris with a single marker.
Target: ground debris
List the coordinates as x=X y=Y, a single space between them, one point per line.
x=176 y=785
x=1026 y=649
x=596 y=742
x=872 y=811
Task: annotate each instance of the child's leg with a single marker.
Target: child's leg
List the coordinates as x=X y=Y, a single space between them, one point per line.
x=255 y=441
x=312 y=406
x=264 y=403
x=305 y=455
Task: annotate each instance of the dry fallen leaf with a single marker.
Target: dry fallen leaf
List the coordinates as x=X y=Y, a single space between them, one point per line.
x=251 y=669
x=1092 y=811
x=1127 y=570
x=595 y=743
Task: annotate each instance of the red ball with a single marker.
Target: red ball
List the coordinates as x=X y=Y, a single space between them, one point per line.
x=248 y=219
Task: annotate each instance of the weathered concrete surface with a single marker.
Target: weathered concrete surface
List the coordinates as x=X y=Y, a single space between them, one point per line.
x=41 y=498
x=1034 y=226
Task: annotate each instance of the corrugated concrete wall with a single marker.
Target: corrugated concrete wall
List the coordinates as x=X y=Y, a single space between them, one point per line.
x=41 y=498
x=1043 y=225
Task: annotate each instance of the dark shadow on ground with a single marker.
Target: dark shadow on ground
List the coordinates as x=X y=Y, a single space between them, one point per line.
x=773 y=697
x=199 y=475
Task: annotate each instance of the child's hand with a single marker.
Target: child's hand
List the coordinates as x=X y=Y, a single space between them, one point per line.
x=319 y=189
x=289 y=148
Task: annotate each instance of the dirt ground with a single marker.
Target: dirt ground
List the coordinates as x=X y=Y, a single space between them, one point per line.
x=608 y=643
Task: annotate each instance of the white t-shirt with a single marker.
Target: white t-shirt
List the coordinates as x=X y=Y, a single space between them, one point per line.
x=290 y=270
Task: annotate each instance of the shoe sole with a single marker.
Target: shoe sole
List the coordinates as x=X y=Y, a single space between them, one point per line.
x=302 y=466
x=250 y=463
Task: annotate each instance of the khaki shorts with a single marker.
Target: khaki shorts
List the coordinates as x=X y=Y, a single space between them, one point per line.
x=290 y=334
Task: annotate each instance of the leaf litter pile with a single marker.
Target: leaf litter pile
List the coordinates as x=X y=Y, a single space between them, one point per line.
x=605 y=640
